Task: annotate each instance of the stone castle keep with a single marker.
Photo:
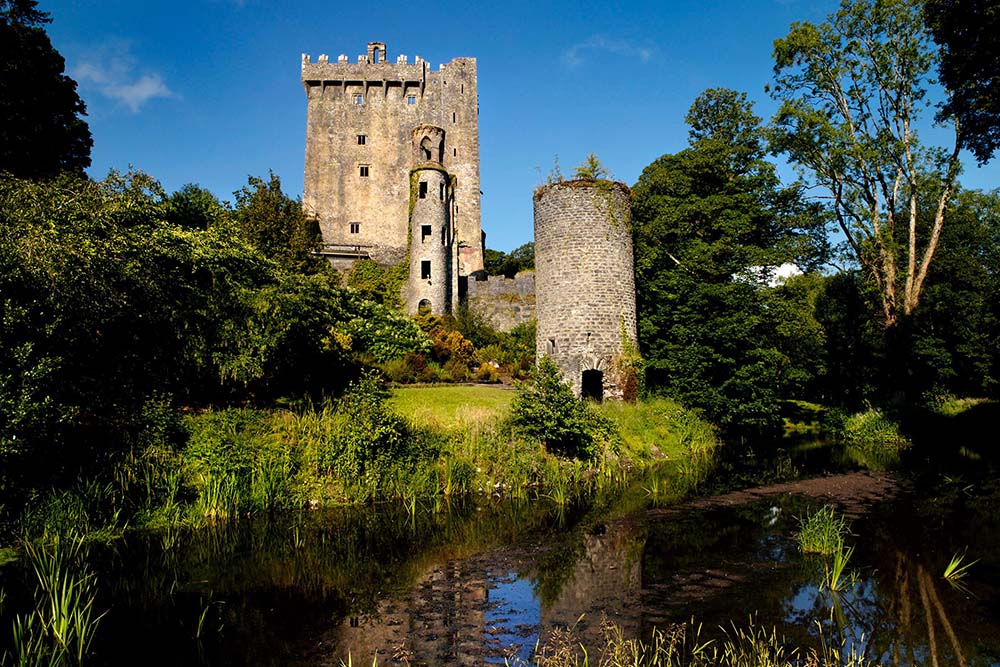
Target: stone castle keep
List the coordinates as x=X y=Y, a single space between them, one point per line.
x=392 y=174
x=392 y=164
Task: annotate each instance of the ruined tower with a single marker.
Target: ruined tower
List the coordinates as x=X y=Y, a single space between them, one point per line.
x=584 y=282
x=361 y=122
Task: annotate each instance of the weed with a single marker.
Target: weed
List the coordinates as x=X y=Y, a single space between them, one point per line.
x=956 y=570
x=834 y=578
x=822 y=532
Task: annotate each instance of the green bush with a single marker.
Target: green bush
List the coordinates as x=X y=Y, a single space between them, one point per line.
x=547 y=411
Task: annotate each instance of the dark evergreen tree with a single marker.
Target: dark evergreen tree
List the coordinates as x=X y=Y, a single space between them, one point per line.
x=41 y=129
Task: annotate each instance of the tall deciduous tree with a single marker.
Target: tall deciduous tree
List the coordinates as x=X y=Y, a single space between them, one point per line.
x=41 y=129
x=852 y=90
x=968 y=32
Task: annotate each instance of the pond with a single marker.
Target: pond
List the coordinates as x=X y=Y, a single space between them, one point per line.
x=461 y=584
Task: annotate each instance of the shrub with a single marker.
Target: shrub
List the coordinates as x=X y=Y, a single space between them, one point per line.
x=547 y=411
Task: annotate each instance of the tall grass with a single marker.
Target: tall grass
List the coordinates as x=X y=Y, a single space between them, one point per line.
x=870 y=432
x=62 y=626
x=822 y=532
x=681 y=645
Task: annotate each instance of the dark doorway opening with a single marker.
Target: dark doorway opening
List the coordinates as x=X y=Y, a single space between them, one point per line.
x=592 y=385
x=424 y=307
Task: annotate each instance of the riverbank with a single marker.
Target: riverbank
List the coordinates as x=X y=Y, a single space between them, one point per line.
x=423 y=444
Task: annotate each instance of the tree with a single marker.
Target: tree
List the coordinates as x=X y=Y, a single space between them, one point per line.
x=968 y=33
x=276 y=225
x=590 y=169
x=499 y=263
x=41 y=129
x=851 y=90
x=702 y=218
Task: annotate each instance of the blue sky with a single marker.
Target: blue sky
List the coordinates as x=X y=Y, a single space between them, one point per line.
x=208 y=92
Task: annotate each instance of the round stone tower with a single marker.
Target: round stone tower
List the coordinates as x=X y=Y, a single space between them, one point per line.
x=585 y=284
x=431 y=282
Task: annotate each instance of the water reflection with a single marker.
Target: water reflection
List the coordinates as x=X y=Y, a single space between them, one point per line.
x=469 y=585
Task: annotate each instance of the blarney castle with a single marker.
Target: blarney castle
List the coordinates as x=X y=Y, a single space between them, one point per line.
x=392 y=175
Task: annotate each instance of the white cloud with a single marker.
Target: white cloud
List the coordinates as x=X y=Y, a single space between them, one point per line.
x=110 y=69
x=576 y=54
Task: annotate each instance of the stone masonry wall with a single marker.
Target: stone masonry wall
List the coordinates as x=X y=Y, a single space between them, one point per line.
x=504 y=302
x=358 y=150
x=585 y=285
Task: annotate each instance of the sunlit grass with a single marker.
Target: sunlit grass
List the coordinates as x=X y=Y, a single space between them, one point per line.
x=681 y=645
x=957 y=569
x=451 y=407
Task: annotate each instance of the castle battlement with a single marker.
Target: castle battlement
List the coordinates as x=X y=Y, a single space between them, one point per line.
x=374 y=66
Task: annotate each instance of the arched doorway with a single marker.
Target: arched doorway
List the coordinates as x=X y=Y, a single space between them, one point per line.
x=424 y=307
x=592 y=385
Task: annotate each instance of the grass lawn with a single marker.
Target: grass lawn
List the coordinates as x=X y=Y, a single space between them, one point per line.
x=450 y=407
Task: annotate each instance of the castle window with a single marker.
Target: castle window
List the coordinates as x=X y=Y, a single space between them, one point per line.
x=355 y=227
x=550 y=347
x=463 y=88
x=444 y=236
x=423 y=189
x=453 y=116
x=425 y=232
x=358 y=99
x=441 y=192
x=363 y=171
x=411 y=99
x=362 y=138
x=454 y=151
x=425 y=269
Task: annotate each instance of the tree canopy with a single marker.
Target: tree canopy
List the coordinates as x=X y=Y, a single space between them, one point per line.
x=710 y=223
x=968 y=33
x=42 y=131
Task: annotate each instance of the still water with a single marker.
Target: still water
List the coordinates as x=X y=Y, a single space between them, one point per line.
x=462 y=584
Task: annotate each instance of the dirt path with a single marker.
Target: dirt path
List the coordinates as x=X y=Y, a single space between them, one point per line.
x=851 y=492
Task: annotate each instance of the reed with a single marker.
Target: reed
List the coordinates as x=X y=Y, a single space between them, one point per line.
x=956 y=569
x=822 y=532
x=63 y=624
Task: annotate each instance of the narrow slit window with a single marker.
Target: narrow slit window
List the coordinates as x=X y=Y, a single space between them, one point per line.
x=444 y=236
x=423 y=189
x=411 y=99
x=454 y=151
x=463 y=88
x=441 y=192
x=453 y=116
x=362 y=139
x=425 y=269
x=363 y=171
x=425 y=232
x=355 y=227
x=550 y=348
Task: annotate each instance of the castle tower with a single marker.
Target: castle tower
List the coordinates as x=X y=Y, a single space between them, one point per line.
x=584 y=282
x=360 y=118
x=432 y=282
